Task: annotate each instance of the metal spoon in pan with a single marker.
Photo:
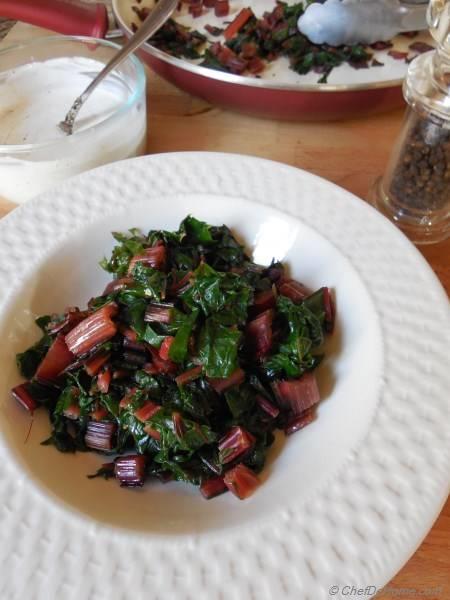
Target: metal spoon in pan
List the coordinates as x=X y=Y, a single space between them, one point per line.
x=158 y=16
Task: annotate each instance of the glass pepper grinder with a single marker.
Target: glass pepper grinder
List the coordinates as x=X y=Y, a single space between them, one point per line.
x=414 y=192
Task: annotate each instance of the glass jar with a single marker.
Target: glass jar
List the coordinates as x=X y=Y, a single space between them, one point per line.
x=415 y=189
x=34 y=77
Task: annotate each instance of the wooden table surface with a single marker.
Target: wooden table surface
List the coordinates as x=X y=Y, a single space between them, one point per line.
x=351 y=154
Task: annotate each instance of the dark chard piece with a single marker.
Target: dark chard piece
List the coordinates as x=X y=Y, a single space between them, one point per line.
x=298 y=422
x=106 y=471
x=134 y=346
x=160 y=365
x=267 y=406
x=239 y=21
x=58 y=358
x=134 y=358
x=259 y=334
x=129 y=334
x=297 y=395
x=73 y=412
x=321 y=303
x=152 y=432
x=120 y=374
x=22 y=394
x=210 y=458
x=397 y=55
x=221 y=8
x=118 y=284
x=130 y=470
x=188 y=376
x=178 y=424
x=151 y=257
x=165 y=347
x=263 y=301
x=294 y=290
x=196 y=10
x=236 y=442
x=181 y=285
x=100 y=435
x=215 y=31
x=222 y=384
x=158 y=313
x=147 y=411
x=241 y=481
x=99 y=414
x=330 y=310
x=104 y=380
x=275 y=272
x=210 y=488
x=72 y=317
x=92 y=331
x=96 y=362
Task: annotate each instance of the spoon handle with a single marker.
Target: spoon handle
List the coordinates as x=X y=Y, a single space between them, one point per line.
x=158 y=16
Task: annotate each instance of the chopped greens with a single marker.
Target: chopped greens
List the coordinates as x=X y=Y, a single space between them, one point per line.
x=185 y=365
x=250 y=43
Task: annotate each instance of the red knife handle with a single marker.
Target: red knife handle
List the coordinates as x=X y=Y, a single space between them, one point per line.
x=69 y=18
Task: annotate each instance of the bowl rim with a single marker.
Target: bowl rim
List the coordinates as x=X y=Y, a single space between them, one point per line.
x=136 y=93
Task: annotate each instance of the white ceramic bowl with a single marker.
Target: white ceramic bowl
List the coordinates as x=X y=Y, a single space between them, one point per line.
x=374 y=462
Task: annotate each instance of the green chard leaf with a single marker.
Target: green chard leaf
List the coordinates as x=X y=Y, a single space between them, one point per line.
x=304 y=332
x=28 y=361
x=149 y=335
x=148 y=382
x=228 y=252
x=152 y=282
x=128 y=247
x=216 y=292
x=43 y=321
x=179 y=348
x=111 y=404
x=218 y=348
x=196 y=231
x=106 y=472
x=194 y=436
x=68 y=396
x=62 y=439
x=240 y=400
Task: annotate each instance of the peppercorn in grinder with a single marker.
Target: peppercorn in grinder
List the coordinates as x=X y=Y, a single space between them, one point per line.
x=415 y=189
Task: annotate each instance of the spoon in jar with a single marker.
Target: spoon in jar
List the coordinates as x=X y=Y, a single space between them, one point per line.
x=158 y=16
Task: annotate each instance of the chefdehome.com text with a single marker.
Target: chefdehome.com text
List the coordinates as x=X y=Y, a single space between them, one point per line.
x=392 y=592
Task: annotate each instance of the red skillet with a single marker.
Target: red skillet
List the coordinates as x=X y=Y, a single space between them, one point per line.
x=261 y=97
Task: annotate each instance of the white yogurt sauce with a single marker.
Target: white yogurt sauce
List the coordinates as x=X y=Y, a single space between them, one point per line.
x=34 y=98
